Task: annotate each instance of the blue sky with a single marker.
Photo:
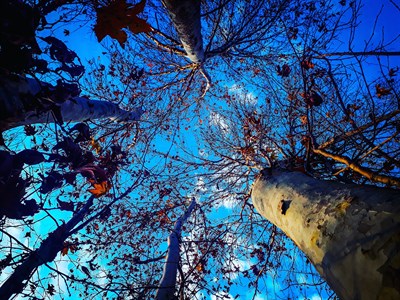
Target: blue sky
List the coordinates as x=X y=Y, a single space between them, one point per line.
x=83 y=41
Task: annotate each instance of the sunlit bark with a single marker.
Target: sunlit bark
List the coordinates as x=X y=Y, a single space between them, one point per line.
x=185 y=16
x=22 y=104
x=167 y=284
x=350 y=233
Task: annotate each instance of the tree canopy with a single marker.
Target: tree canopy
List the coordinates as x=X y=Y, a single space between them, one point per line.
x=122 y=166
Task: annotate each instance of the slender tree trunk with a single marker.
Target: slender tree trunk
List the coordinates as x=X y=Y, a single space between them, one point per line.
x=81 y=109
x=167 y=284
x=350 y=233
x=185 y=15
x=22 y=103
x=47 y=252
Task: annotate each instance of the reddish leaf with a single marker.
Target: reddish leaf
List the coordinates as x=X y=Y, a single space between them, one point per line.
x=113 y=18
x=382 y=91
x=64 y=251
x=93 y=172
x=306 y=64
x=314 y=99
x=29 y=130
x=283 y=71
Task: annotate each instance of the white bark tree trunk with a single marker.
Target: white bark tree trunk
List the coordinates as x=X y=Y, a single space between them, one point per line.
x=19 y=97
x=350 y=233
x=80 y=109
x=185 y=14
x=167 y=284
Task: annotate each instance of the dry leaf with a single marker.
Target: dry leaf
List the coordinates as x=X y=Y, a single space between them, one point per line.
x=200 y=267
x=99 y=189
x=381 y=91
x=64 y=251
x=306 y=64
x=95 y=145
x=118 y=15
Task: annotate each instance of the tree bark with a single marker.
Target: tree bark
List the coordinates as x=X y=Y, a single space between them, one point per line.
x=185 y=15
x=47 y=252
x=350 y=233
x=22 y=103
x=167 y=284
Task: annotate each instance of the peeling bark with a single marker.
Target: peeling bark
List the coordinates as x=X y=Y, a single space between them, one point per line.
x=350 y=233
x=21 y=103
x=167 y=284
x=185 y=15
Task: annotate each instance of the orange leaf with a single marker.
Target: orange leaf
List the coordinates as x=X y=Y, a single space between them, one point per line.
x=200 y=267
x=95 y=145
x=304 y=120
x=99 y=189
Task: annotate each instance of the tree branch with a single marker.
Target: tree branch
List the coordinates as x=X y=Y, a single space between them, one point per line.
x=388 y=180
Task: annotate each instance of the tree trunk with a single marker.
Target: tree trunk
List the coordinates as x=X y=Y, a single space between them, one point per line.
x=47 y=252
x=185 y=15
x=350 y=233
x=23 y=103
x=167 y=284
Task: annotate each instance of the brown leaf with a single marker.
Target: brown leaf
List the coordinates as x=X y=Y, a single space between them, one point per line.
x=283 y=71
x=113 y=18
x=381 y=91
x=64 y=251
x=307 y=64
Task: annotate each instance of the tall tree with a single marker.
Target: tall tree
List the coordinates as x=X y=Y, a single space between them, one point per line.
x=349 y=232
x=274 y=195
x=25 y=101
x=274 y=90
x=185 y=16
